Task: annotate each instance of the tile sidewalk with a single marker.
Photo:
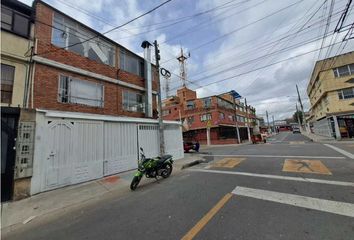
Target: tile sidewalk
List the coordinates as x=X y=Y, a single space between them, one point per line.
x=23 y=211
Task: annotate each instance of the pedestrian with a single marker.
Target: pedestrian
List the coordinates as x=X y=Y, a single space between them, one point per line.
x=197 y=145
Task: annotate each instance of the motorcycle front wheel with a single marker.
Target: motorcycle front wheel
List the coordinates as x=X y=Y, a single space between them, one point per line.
x=135 y=182
x=167 y=170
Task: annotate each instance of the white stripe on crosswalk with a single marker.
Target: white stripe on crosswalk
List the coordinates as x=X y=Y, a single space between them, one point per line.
x=269 y=156
x=341 y=208
x=308 y=180
x=345 y=153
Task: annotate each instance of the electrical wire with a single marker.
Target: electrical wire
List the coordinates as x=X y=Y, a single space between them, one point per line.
x=120 y=26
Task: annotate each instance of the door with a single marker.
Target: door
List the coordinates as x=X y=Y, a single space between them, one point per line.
x=120 y=147
x=8 y=154
x=59 y=159
x=148 y=139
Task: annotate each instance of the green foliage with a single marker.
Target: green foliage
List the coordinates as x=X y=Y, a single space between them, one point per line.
x=296 y=115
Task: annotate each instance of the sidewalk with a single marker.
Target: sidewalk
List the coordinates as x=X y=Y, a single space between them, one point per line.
x=323 y=139
x=203 y=147
x=23 y=211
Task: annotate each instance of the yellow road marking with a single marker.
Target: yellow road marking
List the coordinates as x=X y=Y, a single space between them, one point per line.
x=297 y=142
x=228 y=162
x=207 y=217
x=305 y=166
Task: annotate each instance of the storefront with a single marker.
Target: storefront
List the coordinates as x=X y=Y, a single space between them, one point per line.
x=346 y=125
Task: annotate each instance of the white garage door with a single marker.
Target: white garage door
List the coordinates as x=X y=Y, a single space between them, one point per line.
x=173 y=141
x=120 y=147
x=148 y=139
x=88 y=151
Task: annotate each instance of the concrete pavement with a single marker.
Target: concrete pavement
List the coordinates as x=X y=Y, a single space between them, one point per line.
x=16 y=213
x=262 y=198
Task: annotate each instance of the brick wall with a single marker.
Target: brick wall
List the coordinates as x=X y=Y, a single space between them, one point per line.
x=46 y=78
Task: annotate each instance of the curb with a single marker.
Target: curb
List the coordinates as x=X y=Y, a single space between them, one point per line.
x=196 y=162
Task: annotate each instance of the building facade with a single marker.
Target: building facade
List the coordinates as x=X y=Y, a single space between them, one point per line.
x=89 y=105
x=216 y=113
x=16 y=48
x=331 y=94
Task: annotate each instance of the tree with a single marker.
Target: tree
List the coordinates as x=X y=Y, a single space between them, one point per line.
x=296 y=115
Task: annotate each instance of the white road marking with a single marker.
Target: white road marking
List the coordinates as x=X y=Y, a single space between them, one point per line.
x=270 y=156
x=345 y=153
x=308 y=180
x=340 y=208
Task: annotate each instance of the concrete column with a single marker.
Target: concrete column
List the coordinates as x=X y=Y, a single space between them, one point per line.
x=208 y=136
x=336 y=128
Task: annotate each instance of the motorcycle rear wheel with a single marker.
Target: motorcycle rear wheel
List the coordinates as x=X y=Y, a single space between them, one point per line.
x=135 y=182
x=167 y=170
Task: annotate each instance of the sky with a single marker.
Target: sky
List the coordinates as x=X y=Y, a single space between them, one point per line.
x=260 y=48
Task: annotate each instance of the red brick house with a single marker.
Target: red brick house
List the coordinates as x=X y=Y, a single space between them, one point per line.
x=91 y=107
x=70 y=56
x=216 y=112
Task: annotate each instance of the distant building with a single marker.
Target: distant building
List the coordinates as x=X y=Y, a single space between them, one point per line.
x=215 y=112
x=331 y=93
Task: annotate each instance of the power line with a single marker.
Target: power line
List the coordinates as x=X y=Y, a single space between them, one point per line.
x=256 y=48
x=274 y=63
x=207 y=23
x=120 y=26
x=240 y=28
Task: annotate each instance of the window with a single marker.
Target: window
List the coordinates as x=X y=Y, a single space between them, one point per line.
x=77 y=91
x=7 y=81
x=166 y=112
x=346 y=93
x=224 y=104
x=133 y=101
x=230 y=117
x=66 y=32
x=207 y=102
x=205 y=117
x=190 y=120
x=131 y=63
x=14 y=21
x=190 y=105
x=344 y=71
x=221 y=115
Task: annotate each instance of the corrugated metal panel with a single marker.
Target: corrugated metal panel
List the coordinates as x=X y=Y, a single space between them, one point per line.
x=174 y=141
x=120 y=147
x=148 y=136
x=88 y=153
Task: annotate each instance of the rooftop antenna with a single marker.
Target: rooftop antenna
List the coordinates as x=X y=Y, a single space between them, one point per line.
x=182 y=66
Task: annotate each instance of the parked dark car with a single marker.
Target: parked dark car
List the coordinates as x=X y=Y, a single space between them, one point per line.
x=191 y=146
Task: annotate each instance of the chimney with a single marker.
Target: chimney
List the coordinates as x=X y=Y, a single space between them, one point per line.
x=148 y=78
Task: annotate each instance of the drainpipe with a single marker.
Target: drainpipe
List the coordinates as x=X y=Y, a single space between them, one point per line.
x=148 y=78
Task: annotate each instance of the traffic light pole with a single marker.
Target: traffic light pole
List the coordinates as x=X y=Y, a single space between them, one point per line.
x=159 y=100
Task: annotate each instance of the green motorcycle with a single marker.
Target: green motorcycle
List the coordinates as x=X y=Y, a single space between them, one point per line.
x=152 y=168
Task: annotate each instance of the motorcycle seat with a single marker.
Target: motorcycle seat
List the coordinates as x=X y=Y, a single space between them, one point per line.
x=164 y=158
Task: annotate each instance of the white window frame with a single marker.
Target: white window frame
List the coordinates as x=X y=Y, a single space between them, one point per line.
x=69 y=96
x=336 y=72
x=129 y=110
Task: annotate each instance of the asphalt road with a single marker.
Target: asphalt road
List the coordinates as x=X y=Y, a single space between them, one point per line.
x=289 y=188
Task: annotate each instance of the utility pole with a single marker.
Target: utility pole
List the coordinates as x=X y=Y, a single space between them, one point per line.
x=161 y=127
x=298 y=116
x=248 y=124
x=236 y=122
x=182 y=67
x=268 y=121
x=273 y=124
x=302 y=107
